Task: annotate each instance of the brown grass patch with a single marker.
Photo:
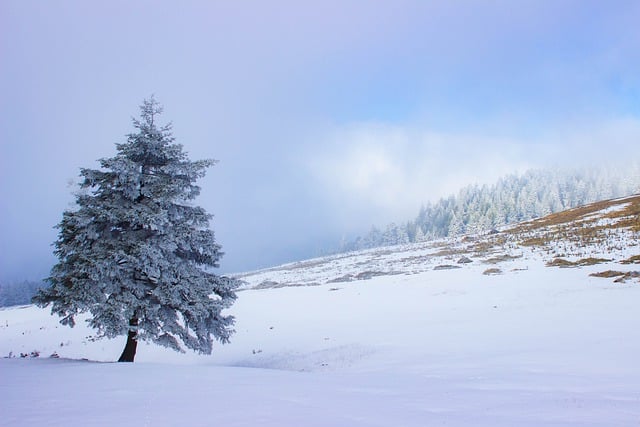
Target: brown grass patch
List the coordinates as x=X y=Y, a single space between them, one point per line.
x=446 y=267
x=608 y=274
x=591 y=261
x=492 y=271
x=576 y=214
x=631 y=260
x=488 y=244
x=631 y=214
x=627 y=276
x=416 y=259
x=501 y=258
x=580 y=225
x=560 y=262
x=563 y=263
x=449 y=252
x=268 y=284
x=536 y=241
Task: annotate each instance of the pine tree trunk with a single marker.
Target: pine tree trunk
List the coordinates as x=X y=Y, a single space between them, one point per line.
x=129 y=352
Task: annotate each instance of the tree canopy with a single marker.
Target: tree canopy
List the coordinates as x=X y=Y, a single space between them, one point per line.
x=135 y=252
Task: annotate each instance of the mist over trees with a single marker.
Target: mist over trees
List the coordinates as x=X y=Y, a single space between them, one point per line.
x=18 y=293
x=514 y=198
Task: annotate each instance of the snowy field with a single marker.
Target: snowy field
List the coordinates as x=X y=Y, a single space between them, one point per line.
x=406 y=336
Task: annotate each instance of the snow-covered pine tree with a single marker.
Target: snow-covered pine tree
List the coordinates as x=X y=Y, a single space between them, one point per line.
x=136 y=254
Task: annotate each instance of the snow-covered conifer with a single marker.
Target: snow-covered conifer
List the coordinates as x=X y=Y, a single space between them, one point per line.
x=513 y=198
x=136 y=254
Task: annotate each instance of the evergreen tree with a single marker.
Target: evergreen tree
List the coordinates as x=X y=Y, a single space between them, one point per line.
x=136 y=254
x=513 y=198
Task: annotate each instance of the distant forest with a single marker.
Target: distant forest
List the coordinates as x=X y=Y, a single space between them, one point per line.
x=18 y=293
x=514 y=198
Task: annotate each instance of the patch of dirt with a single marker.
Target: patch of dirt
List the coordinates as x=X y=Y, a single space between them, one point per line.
x=492 y=271
x=580 y=226
x=342 y=279
x=365 y=275
x=419 y=259
x=489 y=244
x=563 y=263
x=631 y=260
x=446 y=267
x=501 y=258
x=269 y=284
x=622 y=276
x=608 y=274
x=449 y=252
x=591 y=261
x=627 y=276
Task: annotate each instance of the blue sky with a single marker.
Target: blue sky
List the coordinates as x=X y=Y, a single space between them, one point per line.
x=326 y=117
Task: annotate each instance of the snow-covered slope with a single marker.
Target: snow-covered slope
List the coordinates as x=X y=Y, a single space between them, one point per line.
x=507 y=329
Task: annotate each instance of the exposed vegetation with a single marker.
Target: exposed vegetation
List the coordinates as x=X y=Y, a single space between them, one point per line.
x=501 y=258
x=631 y=260
x=450 y=252
x=622 y=276
x=602 y=223
x=446 y=267
x=568 y=239
x=560 y=262
x=591 y=261
x=608 y=274
x=479 y=210
x=563 y=263
x=627 y=276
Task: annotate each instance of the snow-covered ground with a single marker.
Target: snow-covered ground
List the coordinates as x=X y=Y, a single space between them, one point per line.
x=385 y=337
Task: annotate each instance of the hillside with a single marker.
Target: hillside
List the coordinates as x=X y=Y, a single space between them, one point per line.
x=513 y=198
x=535 y=325
x=604 y=232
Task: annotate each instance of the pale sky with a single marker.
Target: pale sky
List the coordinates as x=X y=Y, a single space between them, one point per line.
x=327 y=117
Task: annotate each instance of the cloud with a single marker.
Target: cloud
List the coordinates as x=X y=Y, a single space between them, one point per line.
x=326 y=117
x=372 y=173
